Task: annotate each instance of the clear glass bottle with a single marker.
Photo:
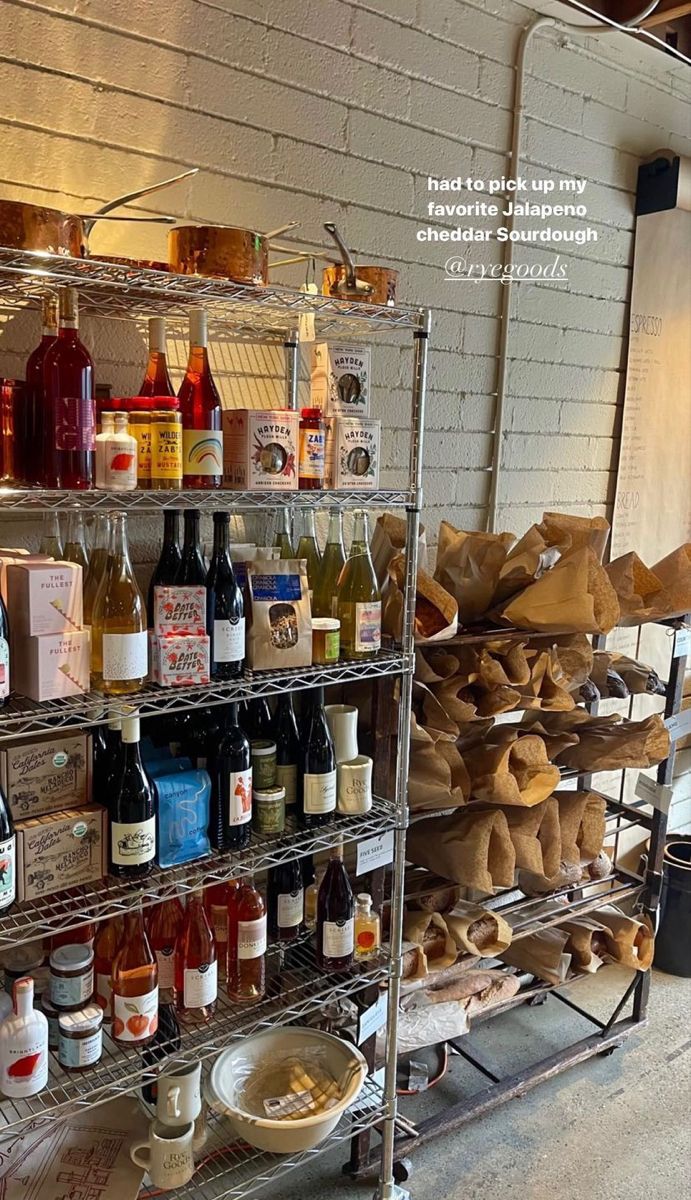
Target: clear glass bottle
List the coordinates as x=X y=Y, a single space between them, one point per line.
x=282 y=537
x=75 y=543
x=200 y=407
x=106 y=945
x=156 y=380
x=69 y=414
x=98 y=562
x=367 y=929
x=196 y=967
x=163 y=927
x=51 y=539
x=216 y=905
x=358 y=605
x=119 y=650
x=332 y=563
x=23 y=1045
x=247 y=981
x=34 y=407
x=311 y=894
x=134 y=982
x=308 y=548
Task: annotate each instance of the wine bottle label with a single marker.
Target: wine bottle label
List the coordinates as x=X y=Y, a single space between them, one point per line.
x=290 y=909
x=312 y=444
x=125 y=656
x=104 y=991
x=8 y=872
x=229 y=640
x=200 y=985
x=319 y=793
x=368 y=626
x=240 y=797
x=4 y=668
x=132 y=843
x=135 y=1017
x=71 y=992
x=165 y=961
x=80 y=1052
x=75 y=423
x=338 y=938
x=219 y=922
x=202 y=452
x=252 y=938
x=287 y=777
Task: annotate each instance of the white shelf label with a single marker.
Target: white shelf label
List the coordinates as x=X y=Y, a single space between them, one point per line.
x=682 y=643
x=679 y=725
x=657 y=794
x=374 y=852
x=372 y=1018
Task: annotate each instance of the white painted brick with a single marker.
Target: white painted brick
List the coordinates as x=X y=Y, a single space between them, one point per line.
x=471 y=450
x=598 y=420
x=374 y=137
x=412 y=51
x=571 y=453
x=461 y=116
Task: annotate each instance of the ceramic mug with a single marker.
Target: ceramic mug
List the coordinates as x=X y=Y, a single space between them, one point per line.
x=342 y=721
x=167 y=1155
x=178 y=1094
x=355 y=785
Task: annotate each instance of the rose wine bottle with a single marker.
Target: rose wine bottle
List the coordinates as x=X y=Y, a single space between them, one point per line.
x=168 y=565
x=23 y=1045
x=69 y=413
x=8 y=858
x=216 y=905
x=98 y=561
x=192 y=571
x=232 y=895
x=285 y=734
x=225 y=608
x=134 y=983
x=232 y=786
x=106 y=945
x=163 y=927
x=332 y=562
x=196 y=967
x=358 y=605
x=132 y=812
x=119 y=649
x=34 y=405
x=318 y=768
x=156 y=380
x=285 y=901
x=247 y=979
x=200 y=406
x=335 y=916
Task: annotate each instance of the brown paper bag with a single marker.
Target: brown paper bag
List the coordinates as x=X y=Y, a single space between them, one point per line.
x=431 y=713
x=554 y=742
x=575 y=654
x=641 y=594
x=527 y=561
x=515 y=770
x=430 y=893
x=612 y=747
x=479 y=931
x=536 y=836
x=582 y=826
x=468 y=566
x=455 y=700
x=473 y=849
x=607 y=680
x=542 y=954
x=640 y=679
x=674 y=572
x=574 y=597
x=429 y=930
x=630 y=941
x=571 y=533
x=568 y=876
x=388 y=539
x=465 y=985
x=438 y=777
x=413 y=962
x=587 y=943
x=436 y=612
x=432 y=664
x=547 y=686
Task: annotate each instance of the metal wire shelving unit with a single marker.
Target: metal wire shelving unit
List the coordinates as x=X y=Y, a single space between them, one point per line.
x=298 y=989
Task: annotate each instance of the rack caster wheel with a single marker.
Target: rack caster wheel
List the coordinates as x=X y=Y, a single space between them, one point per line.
x=402 y=1170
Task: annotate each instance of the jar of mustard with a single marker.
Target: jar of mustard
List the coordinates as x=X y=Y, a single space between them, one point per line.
x=139 y=423
x=166 y=444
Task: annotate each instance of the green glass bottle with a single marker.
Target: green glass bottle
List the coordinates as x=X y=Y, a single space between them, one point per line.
x=332 y=563
x=358 y=605
x=308 y=549
x=282 y=537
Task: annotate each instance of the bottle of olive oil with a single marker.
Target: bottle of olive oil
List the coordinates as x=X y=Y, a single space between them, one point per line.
x=358 y=604
x=282 y=537
x=333 y=559
x=308 y=549
x=118 y=631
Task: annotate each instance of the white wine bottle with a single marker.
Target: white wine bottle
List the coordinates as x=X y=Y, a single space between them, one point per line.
x=330 y=567
x=308 y=549
x=98 y=562
x=358 y=605
x=118 y=632
x=282 y=537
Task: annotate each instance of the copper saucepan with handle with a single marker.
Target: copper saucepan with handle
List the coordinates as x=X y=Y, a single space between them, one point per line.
x=345 y=280
x=223 y=251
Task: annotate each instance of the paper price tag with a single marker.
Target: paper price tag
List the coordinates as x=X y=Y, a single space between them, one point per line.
x=372 y=1018
x=374 y=852
x=682 y=643
x=657 y=794
x=679 y=725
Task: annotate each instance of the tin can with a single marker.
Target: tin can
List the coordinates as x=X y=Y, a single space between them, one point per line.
x=269 y=810
x=263 y=764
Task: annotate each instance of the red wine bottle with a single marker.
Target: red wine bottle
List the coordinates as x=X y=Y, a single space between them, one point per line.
x=285 y=735
x=32 y=432
x=192 y=570
x=318 y=768
x=232 y=782
x=168 y=565
x=225 y=608
x=8 y=857
x=132 y=811
x=200 y=407
x=285 y=901
x=69 y=417
x=335 y=916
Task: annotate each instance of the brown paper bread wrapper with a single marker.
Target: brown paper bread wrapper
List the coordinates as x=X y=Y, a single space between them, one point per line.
x=542 y=954
x=575 y=654
x=611 y=748
x=514 y=771
x=630 y=942
x=468 y=566
x=501 y=700
x=436 y=612
x=587 y=943
x=430 y=893
x=536 y=836
x=472 y=849
x=582 y=826
x=388 y=539
x=568 y=875
x=527 y=561
x=478 y=931
x=413 y=962
x=570 y=533
x=674 y=572
x=470 y=983
x=640 y=679
x=554 y=742
x=429 y=930
x=577 y=721
x=501 y=989
x=641 y=594
x=473 y=733
x=547 y=686
x=438 y=777
x=574 y=597
x=433 y=664
x=455 y=699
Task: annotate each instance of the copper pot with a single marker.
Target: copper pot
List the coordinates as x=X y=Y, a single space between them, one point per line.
x=224 y=251
x=374 y=285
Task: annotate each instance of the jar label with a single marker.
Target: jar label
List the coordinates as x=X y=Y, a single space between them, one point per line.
x=240 y=797
x=166 y=451
x=70 y=993
x=287 y=777
x=132 y=843
x=368 y=626
x=319 y=794
x=75 y=423
x=165 y=961
x=312 y=444
x=200 y=985
x=290 y=909
x=8 y=873
x=229 y=641
x=4 y=668
x=141 y=432
x=79 y=1052
x=337 y=938
x=125 y=656
x=135 y=1017
x=202 y=452
x=332 y=645
x=104 y=991
x=24 y=1068
x=252 y=938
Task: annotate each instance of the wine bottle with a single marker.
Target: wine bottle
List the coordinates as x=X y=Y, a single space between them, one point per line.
x=98 y=562
x=285 y=734
x=258 y=722
x=318 y=768
x=51 y=541
x=225 y=609
x=285 y=901
x=119 y=652
x=34 y=405
x=133 y=817
x=134 y=982
x=358 y=605
x=335 y=915
x=69 y=416
x=23 y=1045
x=156 y=380
x=216 y=905
x=106 y=945
x=4 y=654
x=200 y=407
x=163 y=927
x=282 y=537
x=233 y=891
x=196 y=967
x=8 y=857
x=111 y=765
x=233 y=783
x=75 y=542
x=247 y=981
x=192 y=570
x=333 y=560
x=166 y=570
x=309 y=550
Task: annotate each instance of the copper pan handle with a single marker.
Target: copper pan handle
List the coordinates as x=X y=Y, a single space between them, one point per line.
x=273 y=233
x=348 y=265
x=92 y=218
x=147 y=191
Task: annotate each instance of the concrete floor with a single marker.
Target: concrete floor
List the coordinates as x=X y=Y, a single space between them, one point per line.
x=615 y=1128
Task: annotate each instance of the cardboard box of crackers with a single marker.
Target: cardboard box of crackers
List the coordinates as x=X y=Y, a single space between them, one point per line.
x=260 y=449
x=353 y=450
x=340 y=379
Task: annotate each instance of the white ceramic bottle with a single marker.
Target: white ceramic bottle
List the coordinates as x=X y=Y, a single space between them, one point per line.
x=23 y=1045
x=120 y=458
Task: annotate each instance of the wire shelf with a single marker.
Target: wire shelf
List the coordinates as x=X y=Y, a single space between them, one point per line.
x=228 y=1171
x=527 y=915
x=113 y=897
x=118 y=290
x=39 y=500
x=296 y=987
x=22 y=718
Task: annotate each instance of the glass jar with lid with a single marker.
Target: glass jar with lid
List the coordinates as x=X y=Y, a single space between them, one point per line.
x=166 y=443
